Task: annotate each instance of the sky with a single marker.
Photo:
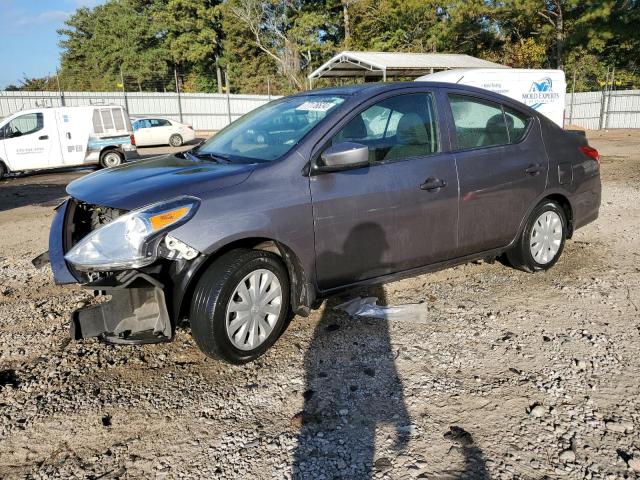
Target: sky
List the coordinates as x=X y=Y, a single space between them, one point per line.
x=30 y=43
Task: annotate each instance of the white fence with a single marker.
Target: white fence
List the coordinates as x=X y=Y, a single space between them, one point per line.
x=601 y=110
x=210 y=111
x=205 y=111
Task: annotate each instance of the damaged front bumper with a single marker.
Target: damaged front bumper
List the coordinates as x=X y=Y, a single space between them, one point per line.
x=135 y=314
x=138 y=311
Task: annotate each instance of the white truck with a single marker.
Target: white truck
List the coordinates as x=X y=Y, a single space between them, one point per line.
x=542 y=90
x=65 y=136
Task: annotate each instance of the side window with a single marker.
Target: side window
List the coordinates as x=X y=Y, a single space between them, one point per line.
x=159 y=122
x=517 y=123
x=25 y=125
x=396 y=128
x=479 y=123
x=375 y=120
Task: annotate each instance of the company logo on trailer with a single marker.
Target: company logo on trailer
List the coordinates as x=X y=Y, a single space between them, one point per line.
x=540 y=93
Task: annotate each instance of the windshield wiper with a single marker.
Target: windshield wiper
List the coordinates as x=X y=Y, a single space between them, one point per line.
x=216 y=157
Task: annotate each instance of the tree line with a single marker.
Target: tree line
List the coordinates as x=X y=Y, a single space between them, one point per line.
x=255 y=46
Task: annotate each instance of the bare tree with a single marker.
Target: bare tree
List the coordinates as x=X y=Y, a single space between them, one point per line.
x=553 y=13
x=346 y=20
x=268 y=30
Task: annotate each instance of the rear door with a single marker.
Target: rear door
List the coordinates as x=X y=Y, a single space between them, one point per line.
x=391 y=215
x=162 y=130
x=29 y=140
x=502 y=166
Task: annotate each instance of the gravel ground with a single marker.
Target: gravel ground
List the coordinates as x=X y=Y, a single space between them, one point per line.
x=511 y=375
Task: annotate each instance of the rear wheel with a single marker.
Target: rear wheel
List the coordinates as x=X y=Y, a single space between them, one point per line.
x=3 y=170
x=111 y=158
x=175 y=140
x=240 y=305
x=541 y=243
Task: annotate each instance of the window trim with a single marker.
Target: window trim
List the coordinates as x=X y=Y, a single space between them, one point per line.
x=528 y=128
x=322 y=144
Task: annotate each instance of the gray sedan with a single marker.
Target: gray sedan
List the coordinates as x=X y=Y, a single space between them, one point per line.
x=312 y=194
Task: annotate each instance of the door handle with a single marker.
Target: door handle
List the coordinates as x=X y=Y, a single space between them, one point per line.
x=43 y=137
x=533 y=170
x=433 y=184
x=69 y=135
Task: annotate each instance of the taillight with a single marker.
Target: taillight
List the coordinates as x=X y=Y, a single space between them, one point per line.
x=132 y=139
x=591 y=152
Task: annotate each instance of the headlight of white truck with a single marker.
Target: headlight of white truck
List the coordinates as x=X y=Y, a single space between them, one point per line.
x=131 y=241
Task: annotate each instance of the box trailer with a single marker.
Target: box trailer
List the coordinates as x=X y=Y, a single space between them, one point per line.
x=542 y=90
x=65 y=136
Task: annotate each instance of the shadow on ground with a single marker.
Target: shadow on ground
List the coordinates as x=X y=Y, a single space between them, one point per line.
x=14 y=194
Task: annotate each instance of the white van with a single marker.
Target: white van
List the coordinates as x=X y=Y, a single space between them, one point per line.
x=542 y=90
x=65 y=136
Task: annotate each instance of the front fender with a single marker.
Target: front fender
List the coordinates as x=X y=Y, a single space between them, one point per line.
x=62 y=275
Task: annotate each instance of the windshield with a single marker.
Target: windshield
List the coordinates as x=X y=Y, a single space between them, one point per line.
x=270 y=131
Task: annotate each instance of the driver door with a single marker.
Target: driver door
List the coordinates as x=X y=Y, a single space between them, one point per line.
x=28 y=141
x=387 y=217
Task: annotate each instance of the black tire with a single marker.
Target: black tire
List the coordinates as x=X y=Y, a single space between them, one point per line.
x=520 y=255
x=111 y=158
x=213 y=293
x=3 y=170
x=176 y=140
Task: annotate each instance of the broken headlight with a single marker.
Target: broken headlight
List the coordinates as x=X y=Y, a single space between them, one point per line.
x=131 y=241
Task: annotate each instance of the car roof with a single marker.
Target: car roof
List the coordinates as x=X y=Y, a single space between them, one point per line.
x=380 y=87
x=371 y=89
x=148 y=117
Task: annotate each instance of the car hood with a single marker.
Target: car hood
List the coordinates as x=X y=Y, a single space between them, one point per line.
x=140 y=183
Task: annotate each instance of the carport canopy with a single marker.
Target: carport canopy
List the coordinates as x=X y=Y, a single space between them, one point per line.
x=385 y=64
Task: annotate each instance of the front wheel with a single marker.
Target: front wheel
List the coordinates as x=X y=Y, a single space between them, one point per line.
x=240 y=305
x=541 y=243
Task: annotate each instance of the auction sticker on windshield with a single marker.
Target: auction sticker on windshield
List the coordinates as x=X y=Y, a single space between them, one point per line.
x=316 y=106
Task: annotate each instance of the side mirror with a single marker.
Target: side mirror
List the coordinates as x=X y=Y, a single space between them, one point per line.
x=343 y=156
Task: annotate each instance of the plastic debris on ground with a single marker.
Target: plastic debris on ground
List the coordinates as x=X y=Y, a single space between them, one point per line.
x=368 y=307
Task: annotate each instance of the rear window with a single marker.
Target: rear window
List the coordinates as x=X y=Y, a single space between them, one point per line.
x=517 y=123
x=110 y=120
x=479 y=123
x=482 y=123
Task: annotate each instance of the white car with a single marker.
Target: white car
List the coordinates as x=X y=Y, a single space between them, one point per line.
x=161 y=131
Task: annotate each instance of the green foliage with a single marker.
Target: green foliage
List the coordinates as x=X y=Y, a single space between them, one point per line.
x=272 y=45
x=34 y=84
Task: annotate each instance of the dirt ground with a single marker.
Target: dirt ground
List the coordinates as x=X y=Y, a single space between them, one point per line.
x=509 y=375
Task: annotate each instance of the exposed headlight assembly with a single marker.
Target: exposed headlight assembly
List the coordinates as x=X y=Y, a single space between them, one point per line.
x=131 y=241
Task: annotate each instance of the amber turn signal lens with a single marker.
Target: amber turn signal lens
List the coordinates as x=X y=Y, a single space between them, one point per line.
x=167 y=218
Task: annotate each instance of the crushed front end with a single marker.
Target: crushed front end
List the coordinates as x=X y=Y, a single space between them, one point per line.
x=129 y=260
